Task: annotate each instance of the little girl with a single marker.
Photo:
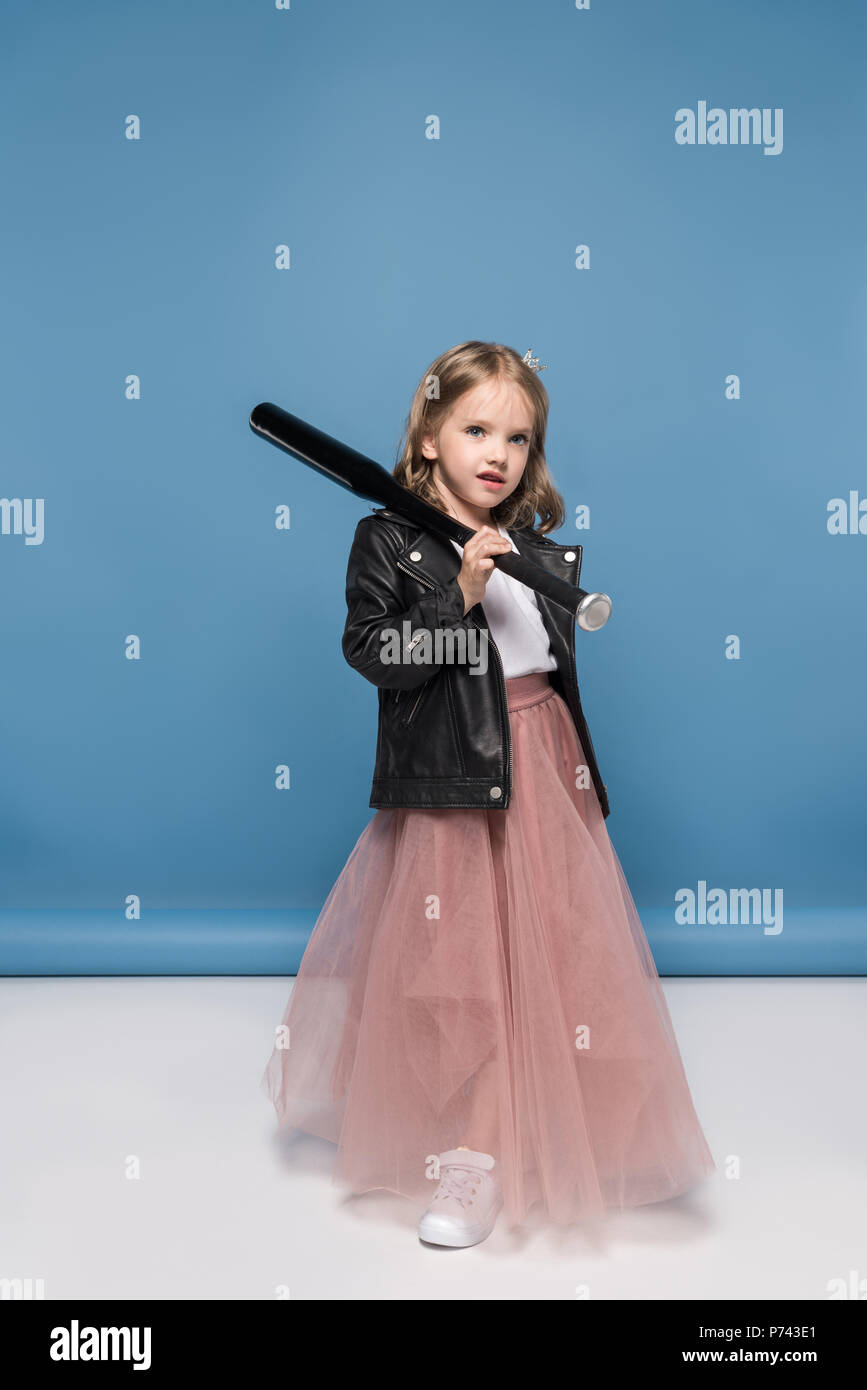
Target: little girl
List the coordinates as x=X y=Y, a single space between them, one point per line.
x=477 y=1022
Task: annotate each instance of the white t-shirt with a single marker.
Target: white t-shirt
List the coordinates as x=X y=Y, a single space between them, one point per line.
x=515 y=621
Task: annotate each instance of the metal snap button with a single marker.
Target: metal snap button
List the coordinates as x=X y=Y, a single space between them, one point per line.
x=570 y=555
x=415 y=554
x=496 y=792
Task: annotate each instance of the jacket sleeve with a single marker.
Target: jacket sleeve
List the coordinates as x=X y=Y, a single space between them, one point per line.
x=374 y=602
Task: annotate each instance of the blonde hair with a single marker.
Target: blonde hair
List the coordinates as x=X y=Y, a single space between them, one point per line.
x=453 y=373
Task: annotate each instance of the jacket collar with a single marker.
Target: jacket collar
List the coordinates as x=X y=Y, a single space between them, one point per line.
x=440 y=562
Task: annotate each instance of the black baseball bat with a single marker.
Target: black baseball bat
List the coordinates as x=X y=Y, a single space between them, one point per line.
x=368 y=479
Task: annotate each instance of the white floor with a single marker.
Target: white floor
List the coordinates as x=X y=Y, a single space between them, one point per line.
x=100 y=1075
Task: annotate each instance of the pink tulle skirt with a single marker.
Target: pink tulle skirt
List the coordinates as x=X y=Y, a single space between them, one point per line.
x=481 y=977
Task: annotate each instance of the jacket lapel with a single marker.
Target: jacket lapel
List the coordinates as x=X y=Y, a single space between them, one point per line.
x=438 y=561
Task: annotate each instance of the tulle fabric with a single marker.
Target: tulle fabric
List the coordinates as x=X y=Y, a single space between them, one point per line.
x=481 y=977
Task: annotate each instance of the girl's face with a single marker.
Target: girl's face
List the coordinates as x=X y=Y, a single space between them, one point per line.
x=482 y=450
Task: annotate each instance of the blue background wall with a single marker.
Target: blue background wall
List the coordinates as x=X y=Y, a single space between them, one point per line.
x=157 y=257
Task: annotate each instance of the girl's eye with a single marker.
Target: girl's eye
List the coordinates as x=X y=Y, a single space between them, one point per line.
x=522 y=437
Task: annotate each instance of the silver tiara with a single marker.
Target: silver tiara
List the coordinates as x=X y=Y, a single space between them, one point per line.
x=532 y=362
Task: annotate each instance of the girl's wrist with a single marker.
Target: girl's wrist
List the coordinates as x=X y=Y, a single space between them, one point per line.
x=468 y=603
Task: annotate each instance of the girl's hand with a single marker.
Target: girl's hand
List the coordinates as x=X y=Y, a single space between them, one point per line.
x=477 y=568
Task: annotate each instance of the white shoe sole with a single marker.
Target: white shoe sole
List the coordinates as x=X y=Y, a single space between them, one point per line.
x=433 y=1234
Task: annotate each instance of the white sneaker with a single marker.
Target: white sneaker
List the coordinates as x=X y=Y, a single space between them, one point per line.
x=466 y=1203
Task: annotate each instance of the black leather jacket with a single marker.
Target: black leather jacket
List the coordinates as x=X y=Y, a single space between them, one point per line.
x=444 y=737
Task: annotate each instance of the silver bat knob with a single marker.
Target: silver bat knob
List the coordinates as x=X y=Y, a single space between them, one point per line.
x=593 y=611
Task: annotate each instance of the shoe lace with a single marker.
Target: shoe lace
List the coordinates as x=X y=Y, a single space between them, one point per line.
x=457 y=1182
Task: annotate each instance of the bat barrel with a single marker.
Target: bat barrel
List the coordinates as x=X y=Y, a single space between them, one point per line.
x=318 y=450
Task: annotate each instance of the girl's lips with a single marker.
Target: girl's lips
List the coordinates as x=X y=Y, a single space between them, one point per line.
x=491 y=480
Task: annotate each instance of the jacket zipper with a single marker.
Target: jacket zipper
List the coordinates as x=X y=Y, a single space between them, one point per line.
x=411 y=716
x=508 y=728
x=415 y=574
x=590 y=751
x=507 y=731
